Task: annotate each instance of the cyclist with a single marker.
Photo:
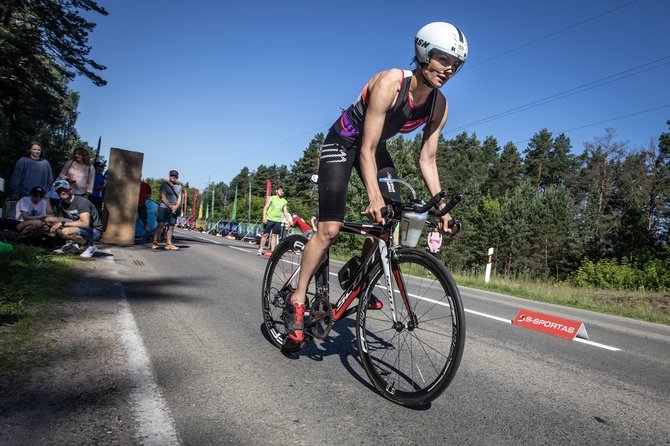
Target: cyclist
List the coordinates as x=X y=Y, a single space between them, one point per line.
x=393 y=101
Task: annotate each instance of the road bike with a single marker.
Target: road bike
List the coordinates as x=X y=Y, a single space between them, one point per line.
x=410 y=324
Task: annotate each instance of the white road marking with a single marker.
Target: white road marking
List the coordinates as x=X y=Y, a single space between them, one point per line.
x=153 y=421
x=206 y=239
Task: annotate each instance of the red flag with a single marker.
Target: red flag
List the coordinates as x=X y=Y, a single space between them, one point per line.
x=195 y=199
x=268 y=187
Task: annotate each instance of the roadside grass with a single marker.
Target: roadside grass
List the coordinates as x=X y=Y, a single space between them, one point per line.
x=33 y=281
x=646 y=306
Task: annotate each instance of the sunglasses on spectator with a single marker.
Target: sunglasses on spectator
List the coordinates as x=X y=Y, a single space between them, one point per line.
x=176 y=176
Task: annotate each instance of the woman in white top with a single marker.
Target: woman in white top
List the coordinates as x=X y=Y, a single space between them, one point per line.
x=79 y=172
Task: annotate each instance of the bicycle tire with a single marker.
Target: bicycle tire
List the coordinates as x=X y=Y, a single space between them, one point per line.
x=277 y=287
x=414 y=366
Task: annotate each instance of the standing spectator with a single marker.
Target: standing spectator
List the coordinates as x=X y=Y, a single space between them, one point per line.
x=145 y=193
x=275 y=208
x=302 y=225
x=434 y=242
x=79 y=172
x=31 y=171
x=32 y=212
x=79 y=222
x=98 y=185
x=168 y=211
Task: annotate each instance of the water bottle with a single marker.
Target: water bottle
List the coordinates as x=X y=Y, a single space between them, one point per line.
x=410 y=228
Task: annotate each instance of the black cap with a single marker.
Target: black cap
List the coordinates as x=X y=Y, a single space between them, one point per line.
x=174 y=173
x=36 y=191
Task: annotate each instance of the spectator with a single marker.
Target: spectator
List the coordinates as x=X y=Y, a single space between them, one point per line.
x=98 y=185
x=31 y=171
x=302 y=225
x=79 y=223
x=32 y=213
x=168 y=211
x=434 y=242
x=275 y=208
x=145 y=193
x=79 y=172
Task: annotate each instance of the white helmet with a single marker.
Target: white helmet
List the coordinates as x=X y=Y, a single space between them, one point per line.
x=440 y=36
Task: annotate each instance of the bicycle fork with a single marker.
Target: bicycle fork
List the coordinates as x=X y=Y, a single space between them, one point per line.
x=393 y=275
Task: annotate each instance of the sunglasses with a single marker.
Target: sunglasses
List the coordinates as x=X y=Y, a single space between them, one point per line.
x=176 y=176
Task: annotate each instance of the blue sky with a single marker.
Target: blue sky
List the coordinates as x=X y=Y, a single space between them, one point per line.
x=209 y=87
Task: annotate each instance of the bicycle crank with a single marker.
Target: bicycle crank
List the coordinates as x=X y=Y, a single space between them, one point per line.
x=320 y=318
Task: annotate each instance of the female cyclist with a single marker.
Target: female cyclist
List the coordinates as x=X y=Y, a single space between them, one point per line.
x=393 y=101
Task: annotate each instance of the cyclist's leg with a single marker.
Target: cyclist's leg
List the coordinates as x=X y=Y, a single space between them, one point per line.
x=338 y=155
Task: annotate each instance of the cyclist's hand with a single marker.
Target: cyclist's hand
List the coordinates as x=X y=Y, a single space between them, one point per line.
x=373 y=211
x=443 y=224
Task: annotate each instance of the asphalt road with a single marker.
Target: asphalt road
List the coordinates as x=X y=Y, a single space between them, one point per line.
x=198 y=314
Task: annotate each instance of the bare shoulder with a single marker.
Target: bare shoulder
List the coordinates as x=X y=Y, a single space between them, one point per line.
x=387 y=79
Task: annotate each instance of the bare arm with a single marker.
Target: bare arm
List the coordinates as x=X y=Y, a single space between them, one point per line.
x=384 y=88
x=428 y=156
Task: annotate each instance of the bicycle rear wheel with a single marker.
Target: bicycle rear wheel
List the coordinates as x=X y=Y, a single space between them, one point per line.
x=412 y=361
x=279 y=281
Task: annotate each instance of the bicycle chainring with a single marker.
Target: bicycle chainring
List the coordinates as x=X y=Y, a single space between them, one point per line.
x=321 y=318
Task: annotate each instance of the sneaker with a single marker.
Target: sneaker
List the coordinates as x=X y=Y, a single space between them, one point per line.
x=292 y=315
x=69 y=246
x=88 y=253
x=172 y=247
x=374 y=303
x=267 y=253
x=260 y=252
x=154 y=246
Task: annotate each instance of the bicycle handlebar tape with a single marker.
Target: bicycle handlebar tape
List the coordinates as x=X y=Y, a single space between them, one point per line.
x=453 y=202
x=432 y=202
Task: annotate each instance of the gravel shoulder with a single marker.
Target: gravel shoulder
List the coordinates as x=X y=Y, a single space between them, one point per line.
x=79 y=395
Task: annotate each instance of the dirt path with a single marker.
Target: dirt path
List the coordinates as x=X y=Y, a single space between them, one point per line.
x=80 y=395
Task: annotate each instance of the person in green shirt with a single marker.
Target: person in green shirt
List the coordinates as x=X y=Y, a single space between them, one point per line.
x=275 y=207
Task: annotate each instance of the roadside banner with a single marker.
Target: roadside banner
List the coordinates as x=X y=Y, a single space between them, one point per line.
x=553 y=325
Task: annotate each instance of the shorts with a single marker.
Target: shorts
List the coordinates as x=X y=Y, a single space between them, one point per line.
x=90 y=234
x=142 y=212
x=165 y=215
x=272 y=227
x=338 y=155
x=308 y=234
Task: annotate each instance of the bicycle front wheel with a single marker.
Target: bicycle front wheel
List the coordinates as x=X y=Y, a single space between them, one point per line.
x=411 y=360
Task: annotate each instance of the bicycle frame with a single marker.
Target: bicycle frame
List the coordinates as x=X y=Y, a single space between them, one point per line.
x=382 y=253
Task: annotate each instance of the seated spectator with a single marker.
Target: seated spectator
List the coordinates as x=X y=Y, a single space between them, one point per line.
x=32 y=213
x=31 y=171
x=79 y=224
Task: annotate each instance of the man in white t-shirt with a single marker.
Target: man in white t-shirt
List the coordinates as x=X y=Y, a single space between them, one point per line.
x=31 y=213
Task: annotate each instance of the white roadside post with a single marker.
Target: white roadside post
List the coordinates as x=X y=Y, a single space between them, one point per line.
x=487 y=275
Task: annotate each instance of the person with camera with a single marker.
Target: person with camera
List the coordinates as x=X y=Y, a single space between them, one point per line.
x=168 y=211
